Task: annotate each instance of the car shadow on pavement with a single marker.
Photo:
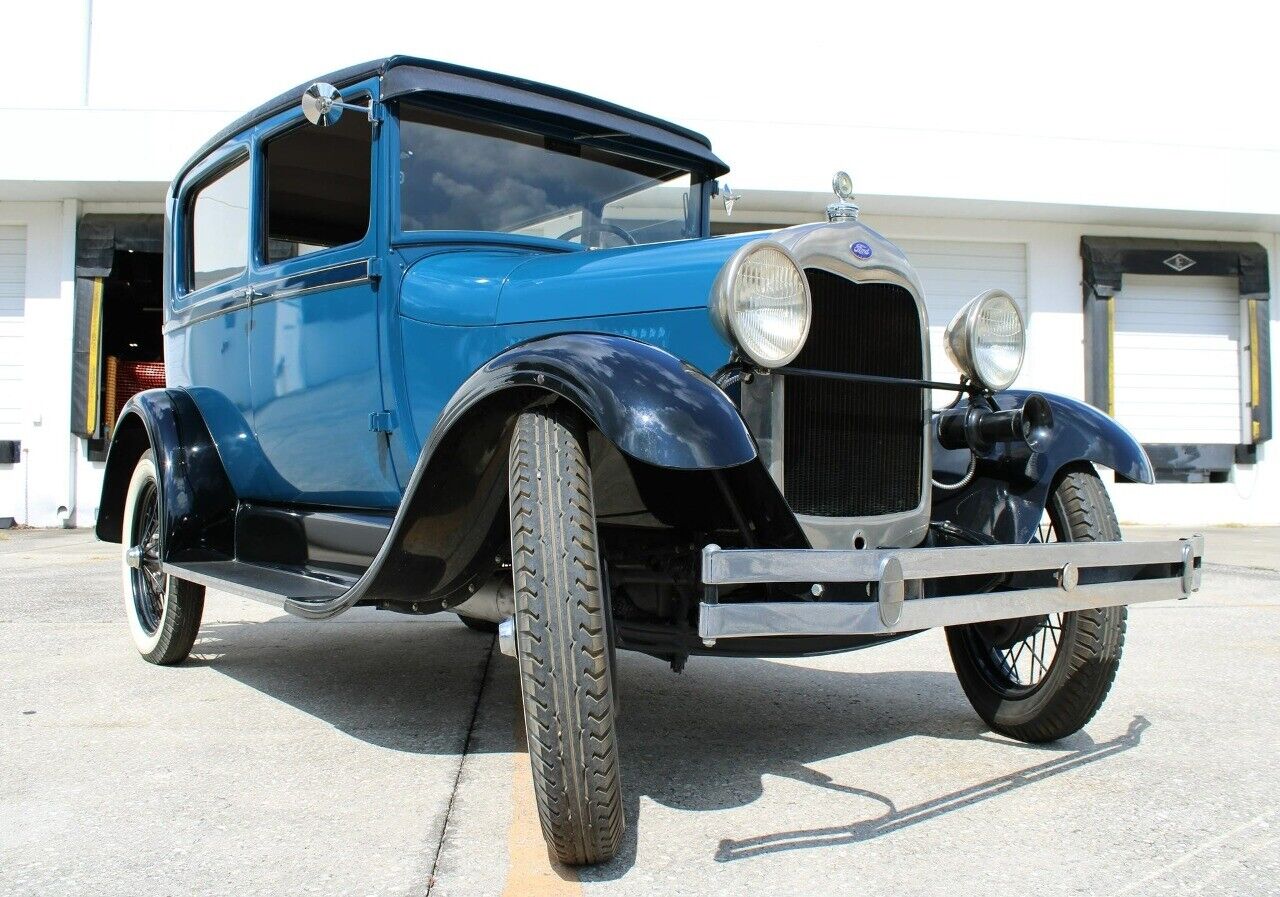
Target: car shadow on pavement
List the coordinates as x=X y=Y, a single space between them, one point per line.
x=706 y=740
x=896 y=818
x=404 y=684
x=700 y=741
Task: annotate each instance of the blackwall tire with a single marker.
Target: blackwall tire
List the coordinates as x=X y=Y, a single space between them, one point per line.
x=1088 y=643
x=163 y=619
x=562 y=643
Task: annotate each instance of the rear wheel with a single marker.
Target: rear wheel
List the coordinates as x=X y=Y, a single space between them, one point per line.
x=163 y=611
x=1043 y=678
x=562 y=642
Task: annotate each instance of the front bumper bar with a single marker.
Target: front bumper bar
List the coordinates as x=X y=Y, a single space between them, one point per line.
x=1148 y=571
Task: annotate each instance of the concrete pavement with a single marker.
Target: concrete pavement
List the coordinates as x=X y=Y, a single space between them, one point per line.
x=377 y=754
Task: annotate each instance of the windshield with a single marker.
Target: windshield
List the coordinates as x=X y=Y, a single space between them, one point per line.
x=461 y=174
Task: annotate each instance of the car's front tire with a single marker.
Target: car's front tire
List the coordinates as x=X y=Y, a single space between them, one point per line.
x=163 y=611
x=1042 y=679
x=562 y=643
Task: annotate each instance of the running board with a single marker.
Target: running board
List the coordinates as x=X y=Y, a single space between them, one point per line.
x=270 y=585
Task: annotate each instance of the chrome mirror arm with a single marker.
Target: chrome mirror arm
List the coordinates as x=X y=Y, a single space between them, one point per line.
x=323 y=105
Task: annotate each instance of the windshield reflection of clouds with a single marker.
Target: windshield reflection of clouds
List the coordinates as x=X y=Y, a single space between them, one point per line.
x=461 y=180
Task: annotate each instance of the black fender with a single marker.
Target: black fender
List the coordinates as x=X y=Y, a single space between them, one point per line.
x=644 y=400
x=198 y=505
x=447 y=533
x=1009 y=492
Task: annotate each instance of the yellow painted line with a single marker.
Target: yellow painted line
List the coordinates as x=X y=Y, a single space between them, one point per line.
x=95 y=330
x=530 y=870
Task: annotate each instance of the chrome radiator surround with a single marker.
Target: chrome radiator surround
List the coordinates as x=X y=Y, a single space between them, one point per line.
x=827 y=247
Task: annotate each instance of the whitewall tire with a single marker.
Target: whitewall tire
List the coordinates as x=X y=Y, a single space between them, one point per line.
x=163 y=612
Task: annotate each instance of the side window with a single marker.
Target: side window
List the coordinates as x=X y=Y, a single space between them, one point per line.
x=317 y=187
x=218 y=228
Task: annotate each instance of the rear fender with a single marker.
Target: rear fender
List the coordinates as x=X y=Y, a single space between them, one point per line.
x=198 y=505
x=1011 y=488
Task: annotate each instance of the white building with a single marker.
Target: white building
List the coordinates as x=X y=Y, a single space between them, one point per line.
x=998 y=145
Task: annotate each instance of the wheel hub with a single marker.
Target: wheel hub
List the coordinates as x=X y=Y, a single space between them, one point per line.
x=1004 y=634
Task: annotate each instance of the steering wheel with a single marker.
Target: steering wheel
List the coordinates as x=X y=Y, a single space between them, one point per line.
x=611 y=228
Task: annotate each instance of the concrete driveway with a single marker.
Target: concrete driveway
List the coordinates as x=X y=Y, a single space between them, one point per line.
x=377 y=754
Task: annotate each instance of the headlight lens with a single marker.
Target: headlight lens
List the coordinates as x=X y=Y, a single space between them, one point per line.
x=763 y=304
x=987 y=341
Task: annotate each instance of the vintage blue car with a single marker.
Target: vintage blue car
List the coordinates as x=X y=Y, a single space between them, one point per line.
x=438 y=339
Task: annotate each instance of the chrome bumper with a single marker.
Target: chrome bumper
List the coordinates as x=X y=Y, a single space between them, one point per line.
x=1158 y=571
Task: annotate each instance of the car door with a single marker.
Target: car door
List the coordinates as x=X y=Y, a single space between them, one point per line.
x=206 y=334
x=314 y=340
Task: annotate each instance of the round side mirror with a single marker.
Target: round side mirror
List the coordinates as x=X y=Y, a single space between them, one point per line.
x=322 y=104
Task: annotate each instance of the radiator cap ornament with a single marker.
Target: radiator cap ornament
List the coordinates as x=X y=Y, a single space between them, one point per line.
x=845 y=209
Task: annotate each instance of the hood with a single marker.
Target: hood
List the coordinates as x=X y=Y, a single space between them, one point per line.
x=488 y=284
x=629 y=280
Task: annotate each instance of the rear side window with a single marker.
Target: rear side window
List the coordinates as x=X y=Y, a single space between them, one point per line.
x=317 y=187
x=219 y=228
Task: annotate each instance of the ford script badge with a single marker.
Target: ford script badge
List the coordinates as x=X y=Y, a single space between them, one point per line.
x=861 y=250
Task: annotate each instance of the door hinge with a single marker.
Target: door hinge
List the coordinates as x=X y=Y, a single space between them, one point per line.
x=382 y=421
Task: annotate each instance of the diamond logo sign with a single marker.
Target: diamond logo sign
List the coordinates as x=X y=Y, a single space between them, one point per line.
x=1179 y=262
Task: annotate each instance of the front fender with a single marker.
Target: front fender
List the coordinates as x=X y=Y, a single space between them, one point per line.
x=643 y=399
x=448 y=530
x=1009 y=492
x=197 y=502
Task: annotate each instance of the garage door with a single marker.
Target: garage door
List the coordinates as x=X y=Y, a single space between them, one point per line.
x=13 y=258
x=952 y=273
x=1177 y=359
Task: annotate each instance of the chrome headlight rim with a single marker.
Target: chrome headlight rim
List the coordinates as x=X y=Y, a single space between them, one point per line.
x=965 y=326
x=722 y=301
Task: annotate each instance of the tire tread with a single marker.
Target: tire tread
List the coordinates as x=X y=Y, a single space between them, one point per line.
x=563 y=647
x=1093 y=639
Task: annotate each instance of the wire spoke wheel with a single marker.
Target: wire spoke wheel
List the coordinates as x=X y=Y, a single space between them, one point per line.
x=150 y=585
x=163 y=611
x=1042 y=678
x=1017 y=655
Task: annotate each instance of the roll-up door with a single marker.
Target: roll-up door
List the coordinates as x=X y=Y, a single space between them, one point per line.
x=1177 y=359
x=13 y=258
x=953 y=272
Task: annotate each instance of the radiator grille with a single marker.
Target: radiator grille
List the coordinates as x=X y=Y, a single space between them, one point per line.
x=855 y=449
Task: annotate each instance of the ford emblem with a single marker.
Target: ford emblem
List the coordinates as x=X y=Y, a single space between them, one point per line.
x=861 y=250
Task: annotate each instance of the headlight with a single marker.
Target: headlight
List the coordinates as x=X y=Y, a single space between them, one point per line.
x=986 y=340
x=761 y=302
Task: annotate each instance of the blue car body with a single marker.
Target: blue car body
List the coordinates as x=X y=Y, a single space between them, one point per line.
x=366 y=389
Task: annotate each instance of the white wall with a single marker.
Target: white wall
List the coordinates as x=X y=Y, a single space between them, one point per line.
x=43 y=477
x=1055 y=357
x=1089 y=102
x=1006 y=121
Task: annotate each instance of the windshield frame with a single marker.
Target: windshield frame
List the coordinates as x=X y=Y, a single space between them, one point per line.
x=700 y=187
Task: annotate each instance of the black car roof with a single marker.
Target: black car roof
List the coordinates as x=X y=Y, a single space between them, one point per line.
x=402 y=75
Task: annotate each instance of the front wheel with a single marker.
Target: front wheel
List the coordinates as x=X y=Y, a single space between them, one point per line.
x=562 y=643
x=1043 y=678
x=163 y=611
